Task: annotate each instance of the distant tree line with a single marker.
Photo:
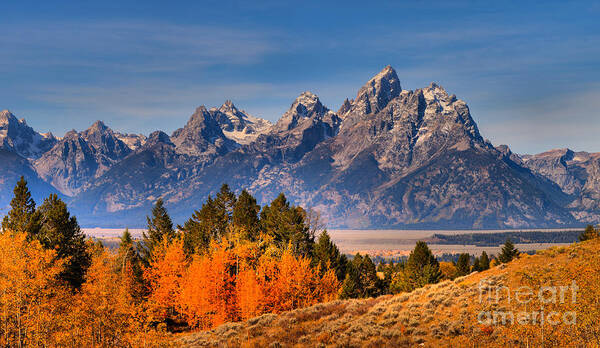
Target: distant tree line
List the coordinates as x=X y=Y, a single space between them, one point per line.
x=495 y=239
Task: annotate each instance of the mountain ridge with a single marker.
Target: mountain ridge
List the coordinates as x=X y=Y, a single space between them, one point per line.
x=389 y=158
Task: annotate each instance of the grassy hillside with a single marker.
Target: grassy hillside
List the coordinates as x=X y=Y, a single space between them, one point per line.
x=450 y=313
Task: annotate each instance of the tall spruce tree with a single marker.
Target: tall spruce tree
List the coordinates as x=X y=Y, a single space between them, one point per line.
x=476 y=265
x=326 y=253
x=60 y=231
x=422 y=267
x=22 y=216
x=245 y=215
x=463 y=265
x=361 y=279
x=508 y=253
x=484 y=261
x=286 y=223
x=160 y=227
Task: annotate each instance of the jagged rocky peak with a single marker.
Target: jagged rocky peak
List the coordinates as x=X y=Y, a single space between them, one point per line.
x=16 y=136
x=306 y=106
x=202 y=135
x=158 y=137
x=98 y=127
x=346 y=105
x=6 y=116
x=230 y=109
x=238 y=125
x=377 y=92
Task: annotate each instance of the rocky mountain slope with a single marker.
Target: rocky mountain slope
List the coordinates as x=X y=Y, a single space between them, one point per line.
x=388 y=158
x=16 y=136
x=447 y=314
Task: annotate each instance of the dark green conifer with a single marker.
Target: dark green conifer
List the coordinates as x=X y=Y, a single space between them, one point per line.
x=484 y=261
x=422 y=267
x=22 y=216
x=326 y=253
x=245 y=215
x=160 y=226
x=60 y=231
x=286 y=223
x=589 y=233
x=463 y=265
x=508 y=253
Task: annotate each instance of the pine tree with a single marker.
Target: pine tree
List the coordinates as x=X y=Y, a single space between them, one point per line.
x=369 y=282
x=129 y=264
x=245 y=215
x=484 y=261
x=326 y=253
x=225 y=202
x=286 y=223
x=476 y=265
x=589 y=233
x=350 y=286
x=22 y=217
x=463 y=265
x=61 y=232
x=508 y=253
x=160 y=227
x=422 y=267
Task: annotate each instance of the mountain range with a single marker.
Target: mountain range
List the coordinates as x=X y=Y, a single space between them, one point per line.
x=389 y=158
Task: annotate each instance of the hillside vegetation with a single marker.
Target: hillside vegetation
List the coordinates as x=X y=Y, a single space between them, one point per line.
x=450 y=313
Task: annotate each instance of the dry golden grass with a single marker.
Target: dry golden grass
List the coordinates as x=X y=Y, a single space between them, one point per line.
x=439 y=315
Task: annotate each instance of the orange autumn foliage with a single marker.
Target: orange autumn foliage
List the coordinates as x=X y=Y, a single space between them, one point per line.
x=207 y=296
x=283 y=283
x=164 y=277
x=28 y=292
x=105 y=312
x=231 y=282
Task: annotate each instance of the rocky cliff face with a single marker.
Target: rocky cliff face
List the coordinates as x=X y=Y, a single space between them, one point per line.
x=388 y=158
x=74 y=161
x=16 y=136
x=576 y=173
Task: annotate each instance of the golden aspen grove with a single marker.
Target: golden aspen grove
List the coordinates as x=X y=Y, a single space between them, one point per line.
x=196 y=277
x=234 y=262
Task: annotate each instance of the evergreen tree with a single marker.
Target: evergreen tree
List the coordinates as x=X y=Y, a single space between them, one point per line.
x=245 y=215
x=463 y=265
x=484 y=261
x=61 y=232
x=22 y=217
x=476 y=265
x=129 y=263
x=212 y=221
x=589 y=233
x=224 y=203
x=361 y=279
x=369 y=282
x=286 y=223
x=422 y=267
x=508 y=253
x=159 y=227
x=326 y=253
x=349 y=287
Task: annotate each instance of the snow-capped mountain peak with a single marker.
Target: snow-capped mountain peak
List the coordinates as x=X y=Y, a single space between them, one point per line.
x=18 y=137
x=238 y=125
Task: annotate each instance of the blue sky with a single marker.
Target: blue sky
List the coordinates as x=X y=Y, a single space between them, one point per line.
x=530 y=71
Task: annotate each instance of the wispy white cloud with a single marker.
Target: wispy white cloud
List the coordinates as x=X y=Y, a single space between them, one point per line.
x=137 y=46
